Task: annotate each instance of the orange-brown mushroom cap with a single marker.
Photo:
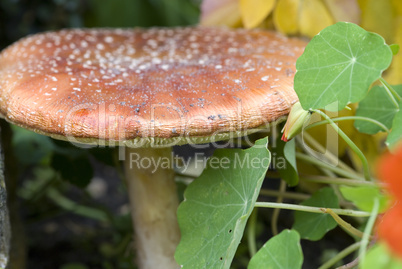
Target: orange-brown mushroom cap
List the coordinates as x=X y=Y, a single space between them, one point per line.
x=157 y=85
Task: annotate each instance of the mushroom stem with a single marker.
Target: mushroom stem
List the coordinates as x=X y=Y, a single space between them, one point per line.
x=154 y=202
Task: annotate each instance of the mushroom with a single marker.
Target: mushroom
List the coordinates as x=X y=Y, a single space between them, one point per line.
x=148 y=90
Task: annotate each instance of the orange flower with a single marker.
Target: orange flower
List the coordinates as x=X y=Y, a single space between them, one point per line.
x=390 y=171
x=389 y=227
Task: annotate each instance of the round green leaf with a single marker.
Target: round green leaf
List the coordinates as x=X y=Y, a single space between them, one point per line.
x=394 y=48
x=339 y=65
x=395 y=137
x=282 y=251
x=217 y=205
x=376 y=105
x=363 y=197
x=379 y=257
x=314 y=226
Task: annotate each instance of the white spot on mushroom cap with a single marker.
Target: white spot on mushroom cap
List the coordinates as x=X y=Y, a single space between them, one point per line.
x=109 y=39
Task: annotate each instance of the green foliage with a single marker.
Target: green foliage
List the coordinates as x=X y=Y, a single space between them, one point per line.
x=288 y=168
x=395 y=136
x=363 y=197
x=217 y=205
x=395 y=48
x=377 y=105
x=379 y=257
x=144 y=13
x=282 y=251
x=31 y=148
x=338 y=66
x=314 y=226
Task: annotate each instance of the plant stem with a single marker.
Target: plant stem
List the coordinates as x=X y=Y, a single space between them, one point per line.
x=72 y=206
x=295 y=196
x=328 y=154
x=345 y=225
x=382 y=126
x=391 y=91
x=367 y=230
x=350 y=249
x=286 y=195
x=338 y=180
x=319 y=163
x=335 y=187
x=252 y=222
x=312 y=209
x=351 y=265
x=351 y=144
x=275 y=213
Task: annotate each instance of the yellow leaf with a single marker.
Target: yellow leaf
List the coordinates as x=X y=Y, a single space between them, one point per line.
x=344 y=10
x=393 y=75
x=397 y=6
x=378 y=16
x=314 y=17
x=220 y=13
x=253 y=12
x=286 y=16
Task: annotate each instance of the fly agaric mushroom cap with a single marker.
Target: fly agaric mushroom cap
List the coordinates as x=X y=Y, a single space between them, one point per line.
x=151 y=88
x=154 y=86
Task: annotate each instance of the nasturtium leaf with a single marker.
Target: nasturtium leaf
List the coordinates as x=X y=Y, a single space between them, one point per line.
x=394 y=48
x=314 y=226
x=395 y=137
x=363 y=197
x=285 y=161
x=217 y=205
x=253 y=12
x=338 y=66
x=282 y=251
x=377 y=105
x=379 y=257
